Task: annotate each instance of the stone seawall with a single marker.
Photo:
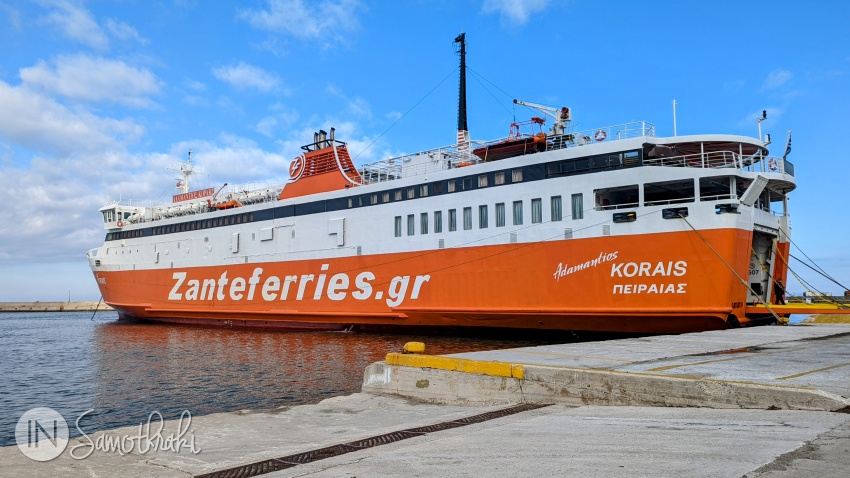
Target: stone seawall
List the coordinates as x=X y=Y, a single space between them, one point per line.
x=52 y=306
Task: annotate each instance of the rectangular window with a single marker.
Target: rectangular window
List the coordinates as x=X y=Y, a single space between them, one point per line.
x=556 y=208
x=617 y=198
x=438 y=222
x=482 y=180
x=668 y=192
x=467 y=218
x=373 y=199
x=411 y=193
x=423 y=223
x=715 y=188
x=410 y=225
x=536 y=211
x=398 y=226
x=517 y=213
x=452 y=219
x=423 y=190
x=451 y=187
x=386 y=197
x=482 y=216
x=578 y=206
x=500 y=178
x=350 y=202
x=516 y=176
x=500 y=214
x=398 y=194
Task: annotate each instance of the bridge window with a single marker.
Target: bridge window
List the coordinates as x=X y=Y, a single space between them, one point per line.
x=517 y=213
x=438 y=222
x=482 y=216
x=467 y=218
x=410 y=225
x=398 y=226
x=452 y=220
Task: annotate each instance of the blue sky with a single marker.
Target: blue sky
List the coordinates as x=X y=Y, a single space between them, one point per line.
x=98 y=99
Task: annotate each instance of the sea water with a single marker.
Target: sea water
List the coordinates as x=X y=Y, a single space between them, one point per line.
x=124 y=371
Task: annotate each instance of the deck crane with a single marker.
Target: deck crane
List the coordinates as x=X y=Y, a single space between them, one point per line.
x=561 y=115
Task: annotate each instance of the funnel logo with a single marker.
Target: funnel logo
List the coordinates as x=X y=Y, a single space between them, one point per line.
x=41 y=434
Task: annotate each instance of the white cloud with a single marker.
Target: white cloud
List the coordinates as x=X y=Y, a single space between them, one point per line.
x=244 y=76
x=77 y=23
x=513 y=11
x=122 y=31
x=93 y=79
x=14 y=15
x=37 y=122
x=327 y=21
x=776 y=78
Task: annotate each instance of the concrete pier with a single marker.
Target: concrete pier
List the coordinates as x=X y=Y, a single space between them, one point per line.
x=760 y=402
x=803 y=367
x=53 y=306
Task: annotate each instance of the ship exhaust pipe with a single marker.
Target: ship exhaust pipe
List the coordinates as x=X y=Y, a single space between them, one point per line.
x=323 y=139
x=332 y=135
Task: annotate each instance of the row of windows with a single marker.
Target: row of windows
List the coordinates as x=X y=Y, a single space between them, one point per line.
x=436 y=188
x=185 y=226
x=555 y=212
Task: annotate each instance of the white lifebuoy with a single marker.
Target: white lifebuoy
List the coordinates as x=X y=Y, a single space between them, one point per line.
x=771 y=163
x=600 y=135
x=120 y=223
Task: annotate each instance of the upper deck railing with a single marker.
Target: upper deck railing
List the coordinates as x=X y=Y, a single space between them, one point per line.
x=725 y=159
x=454 y=156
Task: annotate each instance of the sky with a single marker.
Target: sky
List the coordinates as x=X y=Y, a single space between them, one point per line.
x=98 y=99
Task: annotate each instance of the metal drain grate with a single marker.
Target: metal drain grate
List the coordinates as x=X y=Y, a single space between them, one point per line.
x=269 y=466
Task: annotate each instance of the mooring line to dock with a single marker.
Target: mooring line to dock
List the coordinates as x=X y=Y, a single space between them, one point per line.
x=275 y=464
x=96 y=307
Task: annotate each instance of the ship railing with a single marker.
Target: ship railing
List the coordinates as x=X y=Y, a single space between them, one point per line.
x=417 y=164
x=711 y=160
x=607 y=207
x=724 y=159
x=458 y=156
x=636 y=129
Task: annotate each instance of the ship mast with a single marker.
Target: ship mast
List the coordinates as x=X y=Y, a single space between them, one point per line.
x=462 y=128
x=186 y=169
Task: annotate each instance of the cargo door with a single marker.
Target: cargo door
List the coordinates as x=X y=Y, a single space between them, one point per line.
x=761 y=264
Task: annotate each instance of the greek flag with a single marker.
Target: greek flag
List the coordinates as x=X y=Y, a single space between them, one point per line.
x=787 y=146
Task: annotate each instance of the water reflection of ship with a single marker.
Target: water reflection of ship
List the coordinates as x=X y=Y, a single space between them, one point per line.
x=143 y=367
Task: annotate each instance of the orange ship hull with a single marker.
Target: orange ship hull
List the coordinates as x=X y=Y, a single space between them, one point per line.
x=653 y=283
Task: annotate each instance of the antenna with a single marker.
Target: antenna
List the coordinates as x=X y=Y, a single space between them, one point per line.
x=759 y=120
x=674 y=117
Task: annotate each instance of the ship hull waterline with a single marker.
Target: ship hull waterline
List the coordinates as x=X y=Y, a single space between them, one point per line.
x=670 y=282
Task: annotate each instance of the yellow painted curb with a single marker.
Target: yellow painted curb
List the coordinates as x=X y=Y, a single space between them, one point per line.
x=827 y=319
x=496 y=369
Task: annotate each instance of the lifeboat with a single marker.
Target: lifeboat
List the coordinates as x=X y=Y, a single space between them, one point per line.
x=227 y=204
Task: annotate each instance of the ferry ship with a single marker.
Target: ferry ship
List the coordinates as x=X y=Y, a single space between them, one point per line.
x=607 y=229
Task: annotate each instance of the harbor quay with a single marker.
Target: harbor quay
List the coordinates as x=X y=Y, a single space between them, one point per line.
x=760 y=401
x=53 y=306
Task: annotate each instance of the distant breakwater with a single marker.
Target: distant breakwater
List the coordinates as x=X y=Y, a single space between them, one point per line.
x=52 y=306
